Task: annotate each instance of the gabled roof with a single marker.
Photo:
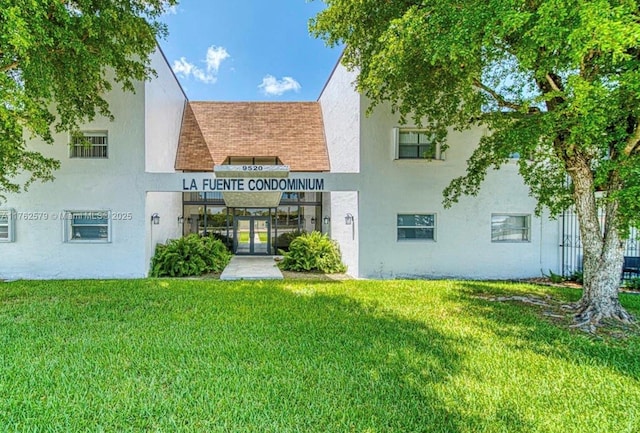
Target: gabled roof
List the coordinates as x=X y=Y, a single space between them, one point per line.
x=213 y=131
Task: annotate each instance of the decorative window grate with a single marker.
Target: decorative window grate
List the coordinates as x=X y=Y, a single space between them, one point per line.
x=90 y=145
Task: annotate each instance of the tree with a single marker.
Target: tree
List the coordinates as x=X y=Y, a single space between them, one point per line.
x=557 y=81
x=58 y=58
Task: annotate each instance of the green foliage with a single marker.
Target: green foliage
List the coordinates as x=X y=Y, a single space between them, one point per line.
x=58 y=59
x=555 y=278
x=313 y=252
x=577 y=276
x=189 y=256
x=632 y=283
x=555 y=80
x=285 y=239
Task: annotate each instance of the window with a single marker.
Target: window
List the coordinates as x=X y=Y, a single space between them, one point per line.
x=7 y=222
x=87 y=226
x=90 y=145
x=415 y=144
x=416 y=227
x=510 y=228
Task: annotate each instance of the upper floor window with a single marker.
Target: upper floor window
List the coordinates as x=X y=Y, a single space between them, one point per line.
x=415 y=144
x=7 y=222
x=90 y=144
x=510 y=228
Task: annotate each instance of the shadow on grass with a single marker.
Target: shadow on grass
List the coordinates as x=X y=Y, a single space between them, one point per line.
x=527 y=328
x=219 y=357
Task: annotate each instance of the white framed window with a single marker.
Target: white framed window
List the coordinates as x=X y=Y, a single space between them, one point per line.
x=7 y=225
x=412 y=227
x=510 y=227
x=87 y=226
x=415 y=144
x=90 y=145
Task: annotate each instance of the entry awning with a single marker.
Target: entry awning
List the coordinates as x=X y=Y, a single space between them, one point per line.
x=251 y=199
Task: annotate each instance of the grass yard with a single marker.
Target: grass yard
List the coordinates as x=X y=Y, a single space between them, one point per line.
x=303 y=356
x=244 y=236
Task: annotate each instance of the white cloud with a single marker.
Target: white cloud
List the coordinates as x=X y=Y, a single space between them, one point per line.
x=171 y=10
x=273 y=87
x=182 y=67
x=215 y=56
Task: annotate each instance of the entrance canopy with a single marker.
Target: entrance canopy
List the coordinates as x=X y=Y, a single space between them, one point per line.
x=258 y=176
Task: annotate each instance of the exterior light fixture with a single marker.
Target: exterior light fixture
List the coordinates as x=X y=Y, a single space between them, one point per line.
x=313 y=221
x=155 y=219
x=348 y=219
x=326 y=220
x=180 y=219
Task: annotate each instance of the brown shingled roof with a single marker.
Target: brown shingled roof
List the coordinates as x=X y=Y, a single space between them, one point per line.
x=213 y=131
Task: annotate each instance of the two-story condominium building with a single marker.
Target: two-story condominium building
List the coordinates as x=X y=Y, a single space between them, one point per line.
x=253 y=173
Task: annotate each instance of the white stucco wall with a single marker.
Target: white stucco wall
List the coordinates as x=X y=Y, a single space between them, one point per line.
x=341 y=115
x=463 y=246
x=150 y=116
x=164 y=106
x=85 y=184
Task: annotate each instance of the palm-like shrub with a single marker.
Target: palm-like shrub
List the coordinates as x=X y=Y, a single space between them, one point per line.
x=189 y=256
x=313 y=252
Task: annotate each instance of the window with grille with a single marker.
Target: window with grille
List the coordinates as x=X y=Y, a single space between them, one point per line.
x=90 y=145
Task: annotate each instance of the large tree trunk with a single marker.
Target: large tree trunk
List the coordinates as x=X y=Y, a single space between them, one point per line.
x=602 y=250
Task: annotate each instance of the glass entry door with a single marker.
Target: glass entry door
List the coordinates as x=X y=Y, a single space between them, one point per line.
x=252 y=235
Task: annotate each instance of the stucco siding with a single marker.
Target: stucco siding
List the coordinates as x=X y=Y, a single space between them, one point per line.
x=164 y=105
x=112 y=184
x=462 y=247
x=341 y=116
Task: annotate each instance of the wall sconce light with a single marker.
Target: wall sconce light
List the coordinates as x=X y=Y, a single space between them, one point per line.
x=313 y=221
x=348 y=219
x=326 y=220
x=180 y=219
x=155 y=219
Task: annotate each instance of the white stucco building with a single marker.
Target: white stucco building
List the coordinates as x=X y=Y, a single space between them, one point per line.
x=373 y=185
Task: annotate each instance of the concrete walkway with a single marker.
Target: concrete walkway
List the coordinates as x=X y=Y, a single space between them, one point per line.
x=251 y=268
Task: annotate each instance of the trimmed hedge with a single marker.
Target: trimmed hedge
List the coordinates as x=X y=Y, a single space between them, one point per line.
x=191 y=255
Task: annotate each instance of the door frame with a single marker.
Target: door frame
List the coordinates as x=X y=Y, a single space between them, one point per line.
x=252 y=220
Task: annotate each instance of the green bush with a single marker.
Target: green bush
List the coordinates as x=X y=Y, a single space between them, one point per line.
x=632 y=283
x=313 y=252
x=577 y=276
x=189 y=256
x=285 y=239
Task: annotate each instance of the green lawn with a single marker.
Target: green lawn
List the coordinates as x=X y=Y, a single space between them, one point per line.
x=303 y=356
x=244 y=236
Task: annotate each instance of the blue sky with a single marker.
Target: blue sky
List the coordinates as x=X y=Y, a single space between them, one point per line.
x=247 y=50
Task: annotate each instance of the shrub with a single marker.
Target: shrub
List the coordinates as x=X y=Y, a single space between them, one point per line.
x=313 y=252
x=632 y=283
x=189 y=256
x=577 y=276
x=285 y=239
x=555 y=278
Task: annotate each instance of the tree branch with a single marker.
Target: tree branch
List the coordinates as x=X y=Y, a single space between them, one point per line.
x=552 y=83
x=9 y=67
x=633 y=141
x=501 y=101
